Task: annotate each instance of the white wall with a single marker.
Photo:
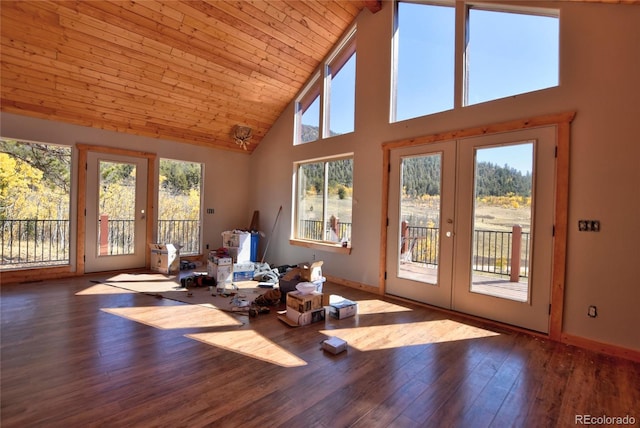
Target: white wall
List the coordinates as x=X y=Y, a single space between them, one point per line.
x=600 y=65
x=226 y=173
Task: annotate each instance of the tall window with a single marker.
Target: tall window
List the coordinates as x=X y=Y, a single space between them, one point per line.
x=324 y=200
x=179 y=204
x=508 y=51
x=341 y=74
x=326 y=107
x=308 y=113
x=35 y=186
x=425 y=46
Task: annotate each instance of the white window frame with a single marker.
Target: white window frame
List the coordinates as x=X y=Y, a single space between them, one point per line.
x=311 y=243
x=321 y=82
x=460 y=54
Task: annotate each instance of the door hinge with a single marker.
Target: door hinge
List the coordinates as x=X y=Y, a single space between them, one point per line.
x=553 y=230
x=549 y=308
x=389 y=167
x=387 y=221
x=556 y=152
x=385 y=275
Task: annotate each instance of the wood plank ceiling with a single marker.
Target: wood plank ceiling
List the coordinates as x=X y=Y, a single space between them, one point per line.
x=187 y=71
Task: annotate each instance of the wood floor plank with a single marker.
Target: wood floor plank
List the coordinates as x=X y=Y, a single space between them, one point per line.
x=77 y=353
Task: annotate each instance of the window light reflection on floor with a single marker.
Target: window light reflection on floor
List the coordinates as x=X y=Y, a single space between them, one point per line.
x=387 y=336
x=250 y=344
x=176 y=316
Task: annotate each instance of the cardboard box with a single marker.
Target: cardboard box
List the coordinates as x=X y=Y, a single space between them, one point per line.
x=340 y=308
x=305 y=318
x=235 y=238
x=311 y=272
x=222 y=261
x=243 y=271
x=165 y=258
x=242 y=246
x=222 y=273
x=335 y=345
x=287 y=286
x=304 y=302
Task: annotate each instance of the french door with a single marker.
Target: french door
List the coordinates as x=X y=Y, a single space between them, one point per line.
x=421 y=225
x=116 y=217
x=471 y=225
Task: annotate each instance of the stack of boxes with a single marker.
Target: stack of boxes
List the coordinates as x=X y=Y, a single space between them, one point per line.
x=220 y=267
x=243 y=249
x=303 y=309
x=304 y=272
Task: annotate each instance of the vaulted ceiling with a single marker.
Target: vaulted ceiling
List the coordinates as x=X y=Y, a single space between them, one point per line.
x=188 y=71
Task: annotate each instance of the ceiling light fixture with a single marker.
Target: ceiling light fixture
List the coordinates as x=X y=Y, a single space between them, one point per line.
x=241 y=135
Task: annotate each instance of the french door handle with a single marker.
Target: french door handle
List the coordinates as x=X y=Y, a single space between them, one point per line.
x=449 y=234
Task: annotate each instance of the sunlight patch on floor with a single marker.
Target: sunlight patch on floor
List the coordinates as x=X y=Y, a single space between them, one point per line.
x=103 y=289
x=376 y=306
x=177 y=316
x=389 y=336
x=250 y=344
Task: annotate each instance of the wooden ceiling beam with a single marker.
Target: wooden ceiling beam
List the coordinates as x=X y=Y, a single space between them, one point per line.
x=373 y=5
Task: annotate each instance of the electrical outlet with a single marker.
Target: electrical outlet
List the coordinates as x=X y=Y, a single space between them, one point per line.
x=592 y=311
x=210 y=210
x=589 y=225
x=313 y=257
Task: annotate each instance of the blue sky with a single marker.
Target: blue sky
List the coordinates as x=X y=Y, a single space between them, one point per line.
x=507 y=54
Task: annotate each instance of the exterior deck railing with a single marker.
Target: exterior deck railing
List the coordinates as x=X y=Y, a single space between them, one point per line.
x=30 y=243
x=182 y=232
x=493 y=250
x=312 y=229
x=46 y=242
x=33 y=242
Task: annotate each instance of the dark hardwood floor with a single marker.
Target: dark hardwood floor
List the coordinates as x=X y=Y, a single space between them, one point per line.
x=79 y=354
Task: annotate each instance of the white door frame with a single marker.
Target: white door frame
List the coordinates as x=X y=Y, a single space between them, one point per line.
x=435 y=291
x=532 y=314
x=83 y=150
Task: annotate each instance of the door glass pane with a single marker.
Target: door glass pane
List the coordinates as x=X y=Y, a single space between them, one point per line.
x=419 y=243
x=116 y=208
x=502 y=221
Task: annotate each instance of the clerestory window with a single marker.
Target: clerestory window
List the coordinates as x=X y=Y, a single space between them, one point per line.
x=506 y=51
x=326 y=107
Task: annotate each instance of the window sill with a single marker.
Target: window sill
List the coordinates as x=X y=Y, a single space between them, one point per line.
x=322 y=246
